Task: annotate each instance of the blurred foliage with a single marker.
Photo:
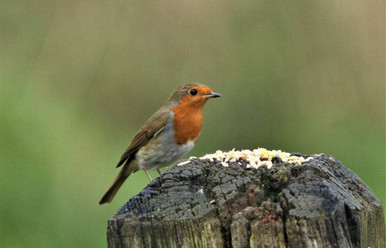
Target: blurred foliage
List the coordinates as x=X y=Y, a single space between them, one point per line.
x=79 y=78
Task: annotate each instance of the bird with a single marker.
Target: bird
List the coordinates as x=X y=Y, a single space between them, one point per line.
x=166 y=136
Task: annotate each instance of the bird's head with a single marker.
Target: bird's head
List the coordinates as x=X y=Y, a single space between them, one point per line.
x=191 y=95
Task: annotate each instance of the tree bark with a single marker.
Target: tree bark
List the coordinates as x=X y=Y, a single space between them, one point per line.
x=204 y=204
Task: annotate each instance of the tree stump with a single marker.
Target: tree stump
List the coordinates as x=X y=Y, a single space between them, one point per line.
x=204 y=204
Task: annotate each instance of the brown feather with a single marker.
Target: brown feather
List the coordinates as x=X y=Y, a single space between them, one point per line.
x=152 y=127
x=127 y=169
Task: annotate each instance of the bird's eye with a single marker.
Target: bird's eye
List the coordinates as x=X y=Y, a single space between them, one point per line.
x=193 y=92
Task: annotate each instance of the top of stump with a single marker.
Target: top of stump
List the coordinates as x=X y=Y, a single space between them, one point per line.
x=197 y=186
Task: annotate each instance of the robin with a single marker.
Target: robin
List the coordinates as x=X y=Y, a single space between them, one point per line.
x=166 y=136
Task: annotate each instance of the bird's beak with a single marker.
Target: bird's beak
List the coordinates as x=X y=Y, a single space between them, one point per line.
x=213 y=95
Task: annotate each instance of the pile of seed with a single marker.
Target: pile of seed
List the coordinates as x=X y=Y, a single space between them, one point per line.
x=255 y=158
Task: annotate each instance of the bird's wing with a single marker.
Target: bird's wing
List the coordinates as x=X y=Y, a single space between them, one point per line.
x=153 y=126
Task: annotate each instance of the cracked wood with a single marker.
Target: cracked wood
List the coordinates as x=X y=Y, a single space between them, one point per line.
x=203 y=204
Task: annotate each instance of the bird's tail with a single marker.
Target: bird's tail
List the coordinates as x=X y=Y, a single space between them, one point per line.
x=119 y=180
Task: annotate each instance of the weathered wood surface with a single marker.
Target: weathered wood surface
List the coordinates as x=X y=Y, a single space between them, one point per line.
x=202 y=204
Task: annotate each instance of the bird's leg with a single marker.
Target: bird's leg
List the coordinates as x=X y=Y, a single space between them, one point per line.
x=159 y=172
x=148 y=175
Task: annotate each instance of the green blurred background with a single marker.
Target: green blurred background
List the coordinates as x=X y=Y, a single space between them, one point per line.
x=79 y=78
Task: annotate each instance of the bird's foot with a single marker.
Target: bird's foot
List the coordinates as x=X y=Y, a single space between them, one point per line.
x=148 y=175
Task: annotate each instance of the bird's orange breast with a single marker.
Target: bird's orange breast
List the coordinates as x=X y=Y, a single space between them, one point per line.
x=187 y=121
